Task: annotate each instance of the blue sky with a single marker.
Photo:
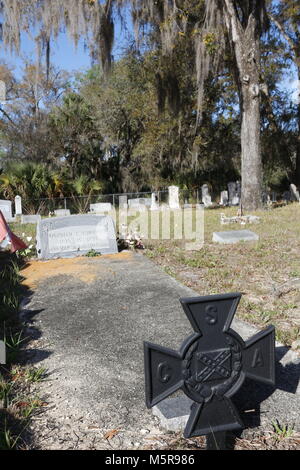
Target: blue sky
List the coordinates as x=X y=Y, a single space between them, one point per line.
x=65 y=56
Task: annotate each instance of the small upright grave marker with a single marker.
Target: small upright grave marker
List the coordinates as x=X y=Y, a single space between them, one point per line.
x=210 y=366
x=18 y=205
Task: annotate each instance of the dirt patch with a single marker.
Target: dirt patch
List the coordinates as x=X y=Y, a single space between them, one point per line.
x=83 y=268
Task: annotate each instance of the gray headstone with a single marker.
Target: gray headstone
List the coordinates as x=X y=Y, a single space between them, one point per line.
x=62 y=212
x=30 y=219
x=234 y=190
x=18 y=205
x=234 y=236
x=101 y=207
x=206 y=198
x=294 y=193
x=224 y=198
x=6 y=209
x=67 y=237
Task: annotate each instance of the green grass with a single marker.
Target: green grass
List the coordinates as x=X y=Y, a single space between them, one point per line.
x=17 y=404
x=253 y=268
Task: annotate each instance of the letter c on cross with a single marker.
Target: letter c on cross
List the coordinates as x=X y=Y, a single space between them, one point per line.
x=163 y=372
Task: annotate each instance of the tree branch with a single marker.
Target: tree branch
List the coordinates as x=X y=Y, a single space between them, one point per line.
x=6 y=115
x=284 y=34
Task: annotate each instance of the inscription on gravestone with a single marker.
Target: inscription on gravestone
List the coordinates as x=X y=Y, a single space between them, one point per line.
x=75 y=235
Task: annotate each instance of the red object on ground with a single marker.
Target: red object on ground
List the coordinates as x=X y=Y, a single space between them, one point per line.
x=16 y=242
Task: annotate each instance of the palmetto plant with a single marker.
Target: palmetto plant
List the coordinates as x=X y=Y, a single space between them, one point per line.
x=84 y=186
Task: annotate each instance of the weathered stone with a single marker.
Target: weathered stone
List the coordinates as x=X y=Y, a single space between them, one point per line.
x=67 y=237
x=173 y=413
x=234 y=236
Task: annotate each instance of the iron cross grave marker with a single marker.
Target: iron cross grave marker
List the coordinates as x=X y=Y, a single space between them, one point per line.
x=211 y=365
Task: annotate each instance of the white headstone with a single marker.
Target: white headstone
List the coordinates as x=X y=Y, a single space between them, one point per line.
x=62 y=212
x=6 y=209
x=174 y=197
x=18 y=205
x=137 y=204
x=100 y=207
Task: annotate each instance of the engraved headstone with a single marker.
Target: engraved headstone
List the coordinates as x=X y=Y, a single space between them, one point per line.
x=67 y=237
x=206 y=197
x=173 y=197
x=62 y=212
x=210 y=367
x=18 y=205
x=6 y=209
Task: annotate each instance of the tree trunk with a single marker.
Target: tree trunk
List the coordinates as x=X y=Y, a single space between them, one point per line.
x=247 y=54
x=297 y=169
x=251 y=165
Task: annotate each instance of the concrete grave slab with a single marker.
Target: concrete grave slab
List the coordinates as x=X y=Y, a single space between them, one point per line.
x=66 y=237
x=234 y=236
x=62 y=212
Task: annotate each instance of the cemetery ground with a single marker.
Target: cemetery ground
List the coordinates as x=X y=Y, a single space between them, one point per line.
x=85 y=314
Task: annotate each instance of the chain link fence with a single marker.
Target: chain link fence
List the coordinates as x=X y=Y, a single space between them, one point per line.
x=81 y=204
